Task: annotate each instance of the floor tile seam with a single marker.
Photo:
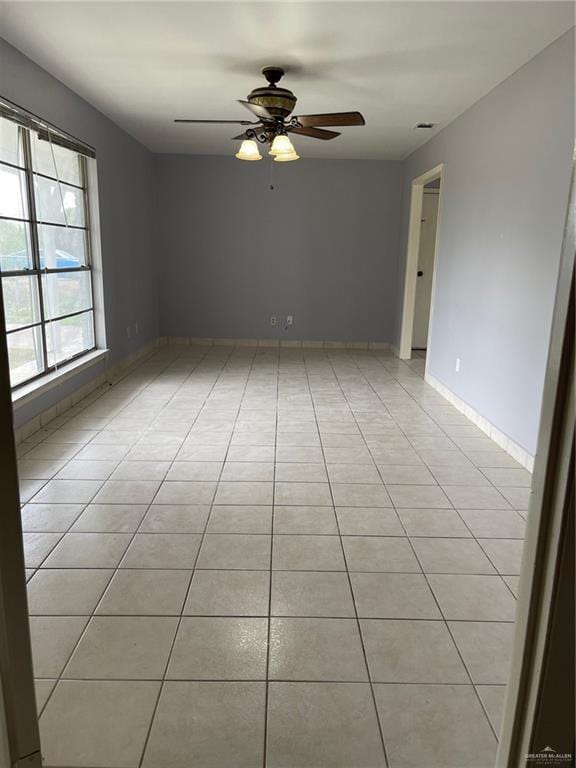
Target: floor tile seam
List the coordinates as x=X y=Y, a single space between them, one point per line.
x=399 y=427
x=93 y=613
x=453 y=639
x=270 y=577
x=284 y=570
x=494 y=565
x=135 y=394
x=456 y=538
x=262 y=680
x=436 y=423
x=179 y=622
x=430 y=590
x=75 y=415
x=449 y=501
x=297 y=617
x=357 y=619
x=62 y=535
x=111 y=387
x=523 y=539
x=441 y=613
x=171 y=462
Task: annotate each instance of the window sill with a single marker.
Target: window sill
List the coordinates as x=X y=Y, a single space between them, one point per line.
x=33 y=390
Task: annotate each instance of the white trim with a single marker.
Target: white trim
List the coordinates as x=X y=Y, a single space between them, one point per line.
x=30 y=392
x=413 y=247
x=275 y=343
x=96 y=252
x=506 y=443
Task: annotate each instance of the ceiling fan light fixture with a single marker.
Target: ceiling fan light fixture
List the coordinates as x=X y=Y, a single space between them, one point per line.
x=281 y=146
x=270 y=108
x=286 y=157
x=249 y=150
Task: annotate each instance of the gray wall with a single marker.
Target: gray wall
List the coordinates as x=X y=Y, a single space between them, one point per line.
x=125 y=200
x=507 y=163
x=322 y=246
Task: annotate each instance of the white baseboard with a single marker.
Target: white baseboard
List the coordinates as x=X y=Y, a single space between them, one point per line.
x=273 y=343
x=46 y=418
x=506 y=443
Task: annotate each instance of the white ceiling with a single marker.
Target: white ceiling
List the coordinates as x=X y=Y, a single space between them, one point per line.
x=143 y=64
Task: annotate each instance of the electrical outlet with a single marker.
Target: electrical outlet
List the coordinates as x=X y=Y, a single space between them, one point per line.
x=136 y=330
x=289 y=320
x=273 y=320
x=457 y=366
x=128 y=333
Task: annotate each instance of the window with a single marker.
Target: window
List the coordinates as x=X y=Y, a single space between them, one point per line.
x=45 y=265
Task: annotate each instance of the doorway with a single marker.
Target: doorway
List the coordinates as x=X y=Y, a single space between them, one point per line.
x=425 y=270
x=420 y=264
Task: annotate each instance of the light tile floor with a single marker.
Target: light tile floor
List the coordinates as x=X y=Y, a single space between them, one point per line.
x=289 y=558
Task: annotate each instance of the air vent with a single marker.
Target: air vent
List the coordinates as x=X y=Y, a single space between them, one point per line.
x=423 y=126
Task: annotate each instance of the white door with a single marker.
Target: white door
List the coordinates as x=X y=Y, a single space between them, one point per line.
x=425 y=269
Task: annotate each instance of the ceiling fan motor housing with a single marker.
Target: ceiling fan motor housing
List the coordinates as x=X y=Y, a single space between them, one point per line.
x=280 y=102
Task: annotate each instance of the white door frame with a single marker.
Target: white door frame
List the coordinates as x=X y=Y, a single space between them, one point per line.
x=414 y=225
x=550 y=505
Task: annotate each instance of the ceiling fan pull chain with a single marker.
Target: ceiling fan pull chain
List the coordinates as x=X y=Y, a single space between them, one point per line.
x=271 y=173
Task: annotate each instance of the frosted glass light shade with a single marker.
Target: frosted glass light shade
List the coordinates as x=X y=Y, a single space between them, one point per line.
x=249 y=151
x=281 y=146
x=286 y=157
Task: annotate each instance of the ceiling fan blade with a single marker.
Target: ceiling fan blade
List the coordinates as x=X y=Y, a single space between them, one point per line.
x=257 y=110
x=314 y=133
x=332 y=118
x=215 y=122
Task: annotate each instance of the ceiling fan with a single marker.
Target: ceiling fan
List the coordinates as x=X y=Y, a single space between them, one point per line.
x=273 y=105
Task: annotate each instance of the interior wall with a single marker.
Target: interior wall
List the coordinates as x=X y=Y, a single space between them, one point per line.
x=125 y=201
x=321 y=246
x=505 y=182
x=228 y=253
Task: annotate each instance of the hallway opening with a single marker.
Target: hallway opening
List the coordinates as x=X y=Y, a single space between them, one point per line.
x=425 y=269
x=420 y=270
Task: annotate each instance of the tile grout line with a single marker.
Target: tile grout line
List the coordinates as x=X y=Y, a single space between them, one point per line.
x=93 y=613
x=321 y=394
x=57 y=679
x=259 y=680
x=276 y=615
x=281 y=570
x=271 y=574
x=446 y=624
x=455 y=644
x=179 y=622
x=358 y=625
x=501 y=575
x=465 y=667
x=452 y=506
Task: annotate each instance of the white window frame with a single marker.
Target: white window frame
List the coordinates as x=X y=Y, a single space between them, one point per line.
x=52 y=375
